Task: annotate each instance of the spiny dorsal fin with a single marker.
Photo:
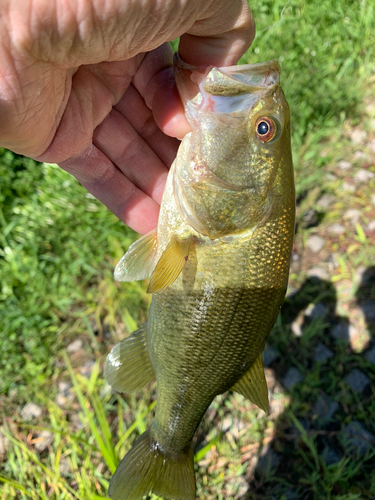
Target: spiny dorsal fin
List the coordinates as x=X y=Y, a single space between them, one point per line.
x=170 y=264
x=253 y=385
x=128 y=366
x=140 y=259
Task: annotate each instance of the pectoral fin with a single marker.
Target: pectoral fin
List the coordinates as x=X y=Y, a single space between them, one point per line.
x=170 y=264
x=140 y=259
x=253 y=385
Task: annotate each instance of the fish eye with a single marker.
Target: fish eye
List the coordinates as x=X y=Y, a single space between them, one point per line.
x=265 y=129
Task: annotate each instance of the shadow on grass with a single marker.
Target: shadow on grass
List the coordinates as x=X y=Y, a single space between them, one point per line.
x=323 y=444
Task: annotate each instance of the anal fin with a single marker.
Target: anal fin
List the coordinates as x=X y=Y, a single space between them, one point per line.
x=253 y=386
x=140 y=259
x=170 y=264
x=128 y=366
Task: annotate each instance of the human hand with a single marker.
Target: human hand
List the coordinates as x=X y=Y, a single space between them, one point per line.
x=88 y=84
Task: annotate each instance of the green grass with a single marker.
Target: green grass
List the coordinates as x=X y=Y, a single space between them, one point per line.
x=58 y=248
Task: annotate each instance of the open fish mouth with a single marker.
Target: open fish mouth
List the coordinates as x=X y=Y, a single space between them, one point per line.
x=249 y=79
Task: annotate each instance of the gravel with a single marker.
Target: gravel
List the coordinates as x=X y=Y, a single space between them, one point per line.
x=322 y=353
x=356 y=439
x=270 y=355
x=331 y=456
x=75 y=346
x=292 y=378
x=353 y=215
x=319 y=272
x=44 y=439
x=336 y=229
x=370 y=356
x=315 y=243
x=325 y=407
x=357 y=380
x=31 y=411
x=344 y=165
x=318 y=310
x=3 y=444
x=364 y=175
x=358 y=136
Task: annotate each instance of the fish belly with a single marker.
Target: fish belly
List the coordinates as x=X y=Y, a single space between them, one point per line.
x=206 y=330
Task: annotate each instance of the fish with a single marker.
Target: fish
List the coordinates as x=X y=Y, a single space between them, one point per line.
x=218 y=264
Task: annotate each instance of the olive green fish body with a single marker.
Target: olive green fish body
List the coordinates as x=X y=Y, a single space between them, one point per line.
x=219 y=264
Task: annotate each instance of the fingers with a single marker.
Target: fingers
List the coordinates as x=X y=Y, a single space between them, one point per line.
x=132 y=107
x=156 y=85
x=109 y=185
x=221 y=37
x=131 y=154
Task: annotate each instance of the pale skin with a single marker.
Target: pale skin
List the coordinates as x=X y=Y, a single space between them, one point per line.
x=88 y=84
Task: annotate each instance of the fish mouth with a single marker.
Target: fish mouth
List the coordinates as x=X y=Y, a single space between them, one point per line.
x=224 y=81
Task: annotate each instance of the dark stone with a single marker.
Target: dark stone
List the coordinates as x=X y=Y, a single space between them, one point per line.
x=356 y=439
x=270 y=355
x=325 y=407
x=322 y=353
x=357 y=380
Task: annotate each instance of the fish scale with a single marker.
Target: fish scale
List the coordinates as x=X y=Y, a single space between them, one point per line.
x=218 y=265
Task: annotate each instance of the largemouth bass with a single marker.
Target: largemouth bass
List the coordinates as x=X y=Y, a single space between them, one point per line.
x=218 y=265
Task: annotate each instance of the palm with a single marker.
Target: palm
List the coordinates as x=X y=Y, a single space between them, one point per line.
x=108 y=139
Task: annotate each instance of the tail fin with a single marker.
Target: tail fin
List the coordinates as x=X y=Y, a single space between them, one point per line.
x=146 y=468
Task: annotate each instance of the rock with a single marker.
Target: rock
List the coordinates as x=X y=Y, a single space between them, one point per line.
x=305 y=424
x=291 y=494
x=325 y=407
x=368 y=308
x=344 y=165
x=64 y=467
x=105 y=391
x=267 y=462
x=322 y=353
x=4 y=443
x=357 y=380
x=371 y=146
x=364 y=175
x=341 y=331
x=371 y=226
x=296 y=326
x=61 y=400
x=315 y=243
x=292 y=378
x=326 y=200
x=31 y=411
x=336 y=229
x=331 y=456
x=356 y=439
x=87 y=368
x=44 y=439
x=318 y=310
x=64 y=388
x=75 y=419
x=358 y=136
x=370 y=355
x=346 y=186
x=236 y=487
x=270 y=355
x=75 y=346
x=310 y=218
x=353 y=215
x=358 y=339
x=360 y=156
x=319 y=272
